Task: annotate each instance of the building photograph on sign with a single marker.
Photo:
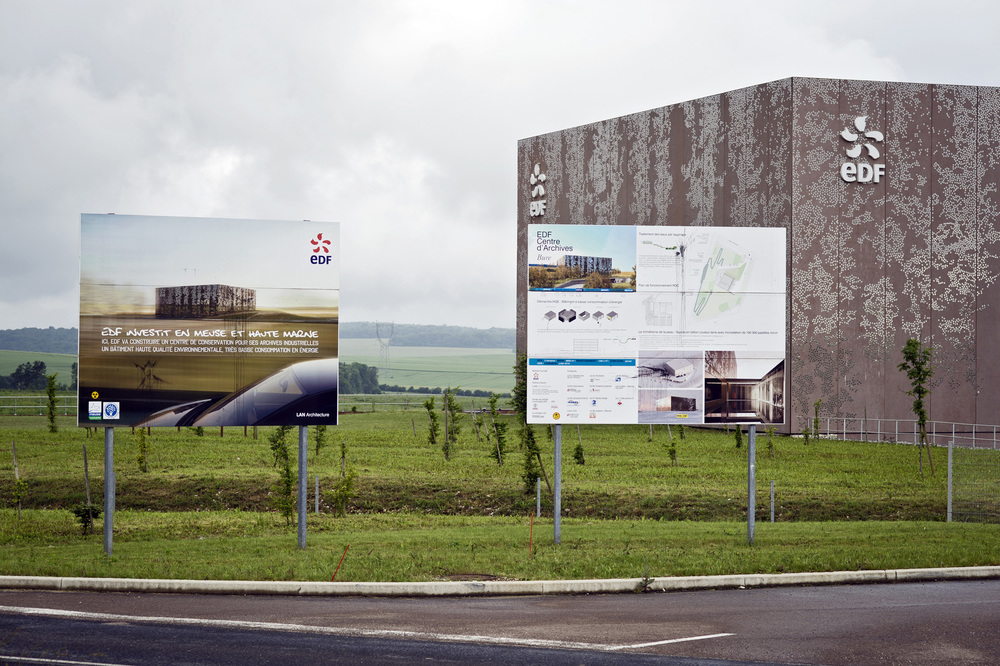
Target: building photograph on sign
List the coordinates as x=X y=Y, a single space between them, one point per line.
x=208 y=322
x=695 y=334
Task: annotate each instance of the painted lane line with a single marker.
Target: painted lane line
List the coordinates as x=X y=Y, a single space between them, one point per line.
x=11 y=659
x=303 y=628
x=671 y=640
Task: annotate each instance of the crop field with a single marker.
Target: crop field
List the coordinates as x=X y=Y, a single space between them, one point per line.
x=472 y=369
x=58 y=363
x=205 y=507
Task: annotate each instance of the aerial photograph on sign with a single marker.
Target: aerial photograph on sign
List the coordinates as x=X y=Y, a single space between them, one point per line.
x=581 y=258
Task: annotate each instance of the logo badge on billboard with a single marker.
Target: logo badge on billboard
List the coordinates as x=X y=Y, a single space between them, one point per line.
x=862 y=140
x=321 y=251
x=95 y=409
x=111 y=410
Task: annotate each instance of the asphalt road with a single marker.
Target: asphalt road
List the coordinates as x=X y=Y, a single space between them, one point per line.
x=922 y=623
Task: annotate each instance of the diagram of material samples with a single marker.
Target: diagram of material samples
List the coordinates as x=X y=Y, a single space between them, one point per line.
x=582 y=325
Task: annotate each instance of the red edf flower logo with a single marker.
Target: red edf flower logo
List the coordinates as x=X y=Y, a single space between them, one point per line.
x=321 y=245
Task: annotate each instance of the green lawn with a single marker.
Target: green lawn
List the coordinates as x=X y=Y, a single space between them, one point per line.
x=204 y=509
x=472 y=369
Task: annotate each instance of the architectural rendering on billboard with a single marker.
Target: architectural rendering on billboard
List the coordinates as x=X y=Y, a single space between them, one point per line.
x=207 y=322
x=655 y=324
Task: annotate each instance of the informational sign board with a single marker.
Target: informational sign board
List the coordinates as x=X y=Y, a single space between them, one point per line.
x=208 y=322
x=656 y=324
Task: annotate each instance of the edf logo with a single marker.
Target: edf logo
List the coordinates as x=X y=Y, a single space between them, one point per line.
x=321 y=251
x=862 y=140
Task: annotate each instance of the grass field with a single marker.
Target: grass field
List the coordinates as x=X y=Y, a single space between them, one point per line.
x=473 y=369
x=204 y=509
x=58 y=363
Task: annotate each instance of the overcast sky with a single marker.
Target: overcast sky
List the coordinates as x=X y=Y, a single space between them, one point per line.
x=399 y=120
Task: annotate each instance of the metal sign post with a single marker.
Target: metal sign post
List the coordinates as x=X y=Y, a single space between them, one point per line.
x=557 y=500
x=109 y=489
x=303 y=482
x=751 y=480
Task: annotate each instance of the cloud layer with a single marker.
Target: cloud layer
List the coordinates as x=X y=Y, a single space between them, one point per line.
x=397 y=119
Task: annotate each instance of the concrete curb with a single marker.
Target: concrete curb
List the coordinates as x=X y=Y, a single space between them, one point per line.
x=494 y=588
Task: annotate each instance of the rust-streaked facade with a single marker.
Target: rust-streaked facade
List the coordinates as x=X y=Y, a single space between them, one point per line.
x=870 y=264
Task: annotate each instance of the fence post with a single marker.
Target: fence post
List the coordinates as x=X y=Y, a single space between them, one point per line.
x=538 y=496
x=772 y=501
x=951 y=447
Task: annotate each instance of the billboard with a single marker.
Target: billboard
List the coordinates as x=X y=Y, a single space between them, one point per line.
x=207 y=322
x=655 y=324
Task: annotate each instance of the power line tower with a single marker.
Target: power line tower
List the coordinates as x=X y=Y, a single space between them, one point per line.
x=384 y=332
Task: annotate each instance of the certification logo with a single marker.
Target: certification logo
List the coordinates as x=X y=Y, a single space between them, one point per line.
x=94 y=410
x=555 y=416
x=111 y=410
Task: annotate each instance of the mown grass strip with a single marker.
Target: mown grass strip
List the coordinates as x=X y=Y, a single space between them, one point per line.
x=408 y=547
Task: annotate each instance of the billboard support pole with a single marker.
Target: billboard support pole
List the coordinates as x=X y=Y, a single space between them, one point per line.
x=557 y=500
x=109 y=489
x=751 y=480
x=303 y=482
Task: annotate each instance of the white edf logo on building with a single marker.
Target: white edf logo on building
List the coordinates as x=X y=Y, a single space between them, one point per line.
x=862 y=141
x=537 y=206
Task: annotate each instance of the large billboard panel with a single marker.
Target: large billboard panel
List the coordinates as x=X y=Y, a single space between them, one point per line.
x=208 y=322
x=655 y=324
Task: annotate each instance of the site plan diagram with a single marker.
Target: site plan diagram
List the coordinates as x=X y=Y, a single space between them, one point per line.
x=656 y=324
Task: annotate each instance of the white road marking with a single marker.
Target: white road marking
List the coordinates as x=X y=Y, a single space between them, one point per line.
x=671 y=640
x=339 y=631
x=11 y=659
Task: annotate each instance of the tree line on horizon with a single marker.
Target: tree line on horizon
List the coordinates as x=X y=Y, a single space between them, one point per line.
x=54 y=340
x=31 y=376
x=432 y=335
x=49 y=340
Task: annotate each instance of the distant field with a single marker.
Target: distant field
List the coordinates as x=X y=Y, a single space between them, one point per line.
x=58 y=363
x=482 y=369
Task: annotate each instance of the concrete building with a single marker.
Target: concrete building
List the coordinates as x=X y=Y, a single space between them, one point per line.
x=204 y=300
x=678 y=369
x=585 y=265
x=889 y=194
